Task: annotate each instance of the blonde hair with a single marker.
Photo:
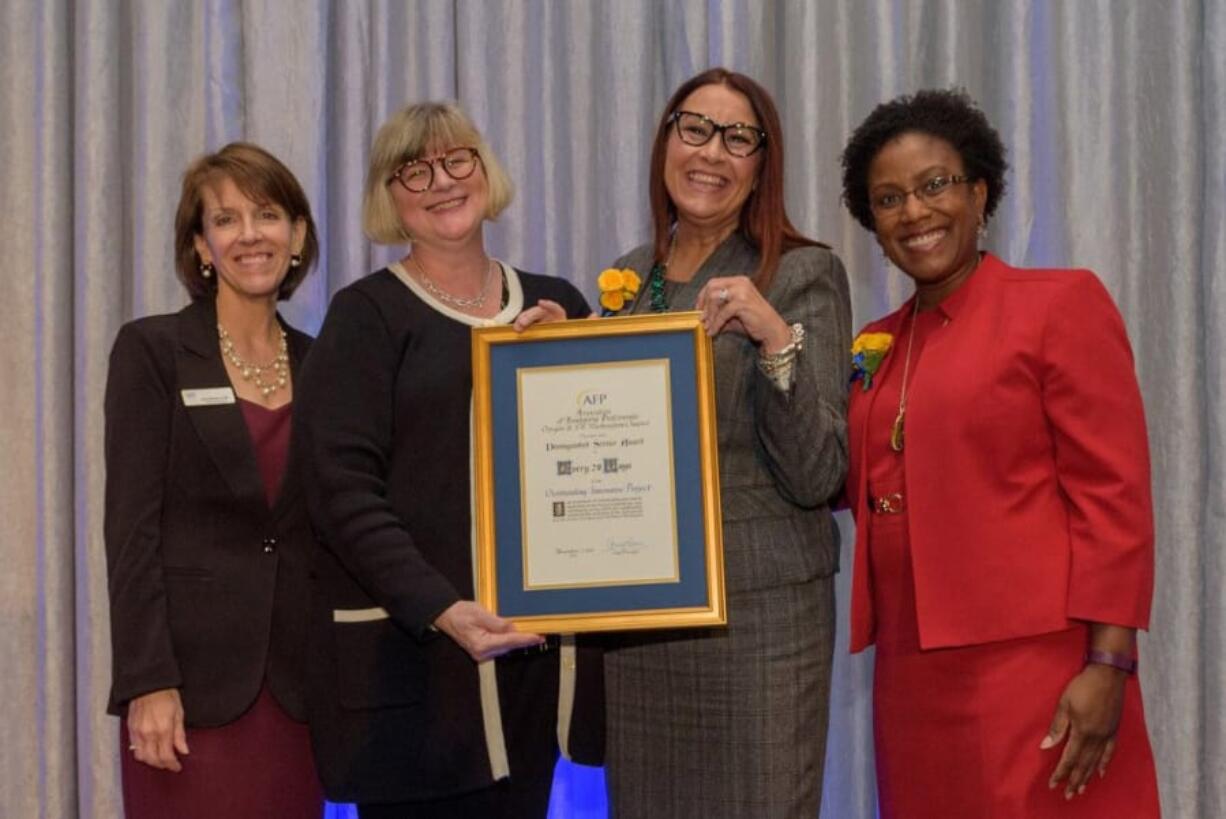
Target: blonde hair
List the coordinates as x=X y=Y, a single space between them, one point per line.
x=407 y=135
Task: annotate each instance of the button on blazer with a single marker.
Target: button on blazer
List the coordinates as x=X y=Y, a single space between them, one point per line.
x=208 y=585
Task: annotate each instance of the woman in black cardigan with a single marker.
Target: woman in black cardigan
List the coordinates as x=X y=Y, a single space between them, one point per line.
x=410 y=713
x=207 y=536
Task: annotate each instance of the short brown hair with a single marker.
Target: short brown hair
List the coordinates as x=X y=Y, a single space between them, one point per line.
x=764 y=219
x=407 y=135
x=262 y=178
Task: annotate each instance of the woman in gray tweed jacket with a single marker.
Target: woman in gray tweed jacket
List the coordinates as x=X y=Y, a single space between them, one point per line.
x=732 y=721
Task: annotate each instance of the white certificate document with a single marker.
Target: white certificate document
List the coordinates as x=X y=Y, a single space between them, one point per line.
x=596 y=475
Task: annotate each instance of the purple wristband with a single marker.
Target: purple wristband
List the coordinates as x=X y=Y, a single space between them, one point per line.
x=1123 y=662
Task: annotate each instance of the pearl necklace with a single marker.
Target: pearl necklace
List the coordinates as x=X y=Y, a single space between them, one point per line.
x=255 y=372
x=474 y=303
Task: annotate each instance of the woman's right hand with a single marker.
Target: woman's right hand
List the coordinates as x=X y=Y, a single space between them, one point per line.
x=545 y=311
x=482 y=634
x=155 y=729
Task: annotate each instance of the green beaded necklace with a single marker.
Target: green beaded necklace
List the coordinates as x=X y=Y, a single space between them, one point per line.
x=655 y=288
x=655 y=279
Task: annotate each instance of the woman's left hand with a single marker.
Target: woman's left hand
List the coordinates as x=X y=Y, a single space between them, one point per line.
x=1089 y=714
x=545 y=310
x=732 y=303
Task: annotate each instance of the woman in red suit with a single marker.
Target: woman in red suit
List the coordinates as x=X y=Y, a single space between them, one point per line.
x=1000 y=483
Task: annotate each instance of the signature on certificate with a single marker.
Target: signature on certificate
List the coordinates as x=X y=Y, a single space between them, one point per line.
x=624 y=546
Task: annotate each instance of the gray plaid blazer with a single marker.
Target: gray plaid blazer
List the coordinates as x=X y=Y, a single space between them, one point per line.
x=782 y=455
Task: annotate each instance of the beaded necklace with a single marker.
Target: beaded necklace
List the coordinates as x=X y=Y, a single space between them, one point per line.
x=655 y=280
x=655 y=288
x=267 y=378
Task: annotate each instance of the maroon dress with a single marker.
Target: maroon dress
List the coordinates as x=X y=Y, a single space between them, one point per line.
x=957 y=730
x=259 y=766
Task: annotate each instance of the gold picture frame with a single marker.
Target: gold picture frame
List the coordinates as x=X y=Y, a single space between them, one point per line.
x=596 y=475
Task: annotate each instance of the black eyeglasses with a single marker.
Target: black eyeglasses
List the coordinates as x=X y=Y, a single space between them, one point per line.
x=929 y=190
x=417 y=175
x=697 y=129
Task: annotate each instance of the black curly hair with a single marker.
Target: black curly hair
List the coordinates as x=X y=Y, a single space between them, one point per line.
x=950 y=115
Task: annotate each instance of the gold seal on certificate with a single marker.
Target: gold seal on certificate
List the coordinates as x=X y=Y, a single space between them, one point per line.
x=596 y=474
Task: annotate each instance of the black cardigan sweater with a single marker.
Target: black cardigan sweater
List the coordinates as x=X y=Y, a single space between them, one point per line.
x=382 y=426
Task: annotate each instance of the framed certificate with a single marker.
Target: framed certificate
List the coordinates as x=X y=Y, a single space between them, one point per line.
x=597 y=475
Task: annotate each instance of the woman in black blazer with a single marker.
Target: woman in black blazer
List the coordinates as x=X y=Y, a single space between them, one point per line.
x=207 y=536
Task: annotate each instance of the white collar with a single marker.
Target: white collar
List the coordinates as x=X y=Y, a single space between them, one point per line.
x=515 y=297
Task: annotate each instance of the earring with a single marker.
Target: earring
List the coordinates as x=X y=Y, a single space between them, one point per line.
x=206 y=269
x=295 y=260
x=983 y=227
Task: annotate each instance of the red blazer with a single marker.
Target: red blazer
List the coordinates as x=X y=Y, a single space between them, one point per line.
x=1027 y=464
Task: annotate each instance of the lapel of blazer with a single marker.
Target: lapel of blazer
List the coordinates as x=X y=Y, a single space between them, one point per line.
x=299 y=343
x=221 y=427
x=962 y=346
x=863 y=618
x=890 y=324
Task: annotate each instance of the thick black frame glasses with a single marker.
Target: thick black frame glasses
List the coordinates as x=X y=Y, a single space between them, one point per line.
x=931 y=188
x=698 y=129
x=412 y=173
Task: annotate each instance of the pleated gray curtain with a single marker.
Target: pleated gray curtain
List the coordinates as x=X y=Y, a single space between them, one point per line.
x=1114 y=113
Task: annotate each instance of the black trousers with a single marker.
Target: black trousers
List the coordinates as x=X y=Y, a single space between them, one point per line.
x=518 y=798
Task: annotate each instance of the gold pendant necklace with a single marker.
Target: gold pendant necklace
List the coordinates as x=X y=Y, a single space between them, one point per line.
x=896 y=431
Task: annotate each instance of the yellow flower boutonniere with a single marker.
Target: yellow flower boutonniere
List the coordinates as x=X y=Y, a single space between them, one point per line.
x=867 y=353
x=616 y=288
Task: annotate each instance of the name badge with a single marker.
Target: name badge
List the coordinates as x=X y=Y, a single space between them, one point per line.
x=207 y=396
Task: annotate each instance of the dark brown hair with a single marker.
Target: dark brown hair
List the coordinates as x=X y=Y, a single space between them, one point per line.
x=262 y=178
x=764 y=219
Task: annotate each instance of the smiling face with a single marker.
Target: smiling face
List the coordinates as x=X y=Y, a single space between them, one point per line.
x=248 y=243
x=450 y=212
x=707 y=184
x=932 y=240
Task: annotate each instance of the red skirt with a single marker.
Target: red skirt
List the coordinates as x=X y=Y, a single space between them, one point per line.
x=258 y=767
x=957 y=730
